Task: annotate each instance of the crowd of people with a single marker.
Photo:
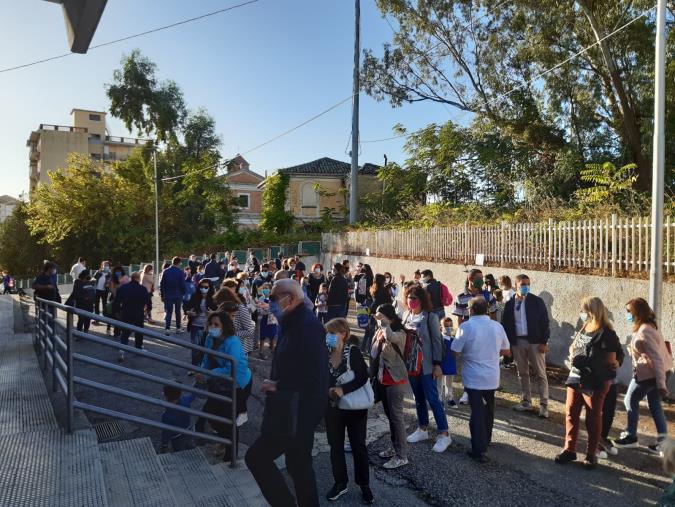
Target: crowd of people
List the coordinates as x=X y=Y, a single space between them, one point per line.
x=321 y=370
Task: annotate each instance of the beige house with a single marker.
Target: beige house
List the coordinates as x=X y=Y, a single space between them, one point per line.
x=324 y=184
x=245 y=187
x=7 y=205
x=50 y=145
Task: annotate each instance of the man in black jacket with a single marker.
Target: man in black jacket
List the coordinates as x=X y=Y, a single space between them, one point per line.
x=526 y=324
x=300 y=365
x=130 y=301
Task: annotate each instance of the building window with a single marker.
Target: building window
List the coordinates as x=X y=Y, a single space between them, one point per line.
x=308 y=196
x=96 y=157
x=243 y=200
x=95 y=117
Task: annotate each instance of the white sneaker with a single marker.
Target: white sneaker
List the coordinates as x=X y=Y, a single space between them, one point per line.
x=464 y=400
x=543 y=412
x=442 y=443
x=242 y=418
x=418 y=436
x=395 y=462
x=601 y=455
x=387 y=454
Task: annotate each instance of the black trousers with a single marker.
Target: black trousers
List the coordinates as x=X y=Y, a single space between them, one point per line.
x=222 y=409
x=101 y=298
x=355 y=421
x=482 y=418
x=608 y=411
x=124 y=334
x=298 y=451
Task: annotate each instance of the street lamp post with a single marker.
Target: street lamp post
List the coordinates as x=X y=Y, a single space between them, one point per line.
x=154 y=158
x=658 y=161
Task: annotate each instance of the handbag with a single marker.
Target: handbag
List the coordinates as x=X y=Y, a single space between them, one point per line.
x=280 y=417
x=361 y=399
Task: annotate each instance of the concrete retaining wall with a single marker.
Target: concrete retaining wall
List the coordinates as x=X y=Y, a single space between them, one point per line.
x=562 y=293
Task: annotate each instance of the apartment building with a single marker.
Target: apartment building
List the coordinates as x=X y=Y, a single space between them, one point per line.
x=7 y=205
x=50 y=145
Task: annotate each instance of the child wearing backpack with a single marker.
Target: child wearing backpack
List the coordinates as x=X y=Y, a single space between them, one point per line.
x=448 y=365
x=83 y=297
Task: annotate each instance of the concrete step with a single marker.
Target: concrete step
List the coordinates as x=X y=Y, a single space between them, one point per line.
x=193 y=481
x=134 y=475
x=49 y=468
x=241 y=485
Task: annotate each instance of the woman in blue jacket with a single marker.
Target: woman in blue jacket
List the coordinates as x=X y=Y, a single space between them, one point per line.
x=221 y=337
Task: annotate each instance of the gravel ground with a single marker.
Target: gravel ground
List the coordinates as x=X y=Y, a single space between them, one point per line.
x=520 y=472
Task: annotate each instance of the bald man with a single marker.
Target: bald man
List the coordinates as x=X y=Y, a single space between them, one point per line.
x=300 y=365
x=130 y=301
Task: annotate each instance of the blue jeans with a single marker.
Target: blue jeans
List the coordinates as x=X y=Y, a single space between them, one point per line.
x=425 y=390
x=636 y=392
x=197 y=338
x=439 y=313
x=169 y=305
x=482 y=418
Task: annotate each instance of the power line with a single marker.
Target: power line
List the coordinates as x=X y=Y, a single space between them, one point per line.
x=147 y=32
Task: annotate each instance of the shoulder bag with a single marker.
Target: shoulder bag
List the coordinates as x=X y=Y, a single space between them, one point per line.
x=361 y=399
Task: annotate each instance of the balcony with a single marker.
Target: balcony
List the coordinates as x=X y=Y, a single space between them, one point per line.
x=62 y=128
x=124 y=140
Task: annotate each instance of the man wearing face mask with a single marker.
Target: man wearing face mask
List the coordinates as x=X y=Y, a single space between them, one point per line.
x=262 y=278
x=475 y=286
x=296 y=392
x=526 y=324
x=44 y=285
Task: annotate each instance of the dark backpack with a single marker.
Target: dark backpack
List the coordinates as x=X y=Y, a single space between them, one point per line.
x=88 y=296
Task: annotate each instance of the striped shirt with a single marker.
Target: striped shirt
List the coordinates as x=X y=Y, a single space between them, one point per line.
x=462 y=303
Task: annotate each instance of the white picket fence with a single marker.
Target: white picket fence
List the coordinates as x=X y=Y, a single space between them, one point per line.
x=613 y=245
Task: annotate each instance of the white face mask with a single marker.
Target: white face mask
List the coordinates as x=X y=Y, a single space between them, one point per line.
x=583 y=316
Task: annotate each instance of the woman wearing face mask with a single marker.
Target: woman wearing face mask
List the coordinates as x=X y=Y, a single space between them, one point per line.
x=652 y=361
x=379 y=295
x=198 y=307
x=222 y=337
x=420 y=318
x=390 y=380
x=148 y=281
x=362 y=282
x=315 y=279
x=101 y=282
x=593 y=359
x=243 y=322
x=345 y=355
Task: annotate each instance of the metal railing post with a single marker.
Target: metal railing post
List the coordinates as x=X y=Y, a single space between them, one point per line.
x=614 y=244
x=69 y=373
x=53 y=355
x=235 y=437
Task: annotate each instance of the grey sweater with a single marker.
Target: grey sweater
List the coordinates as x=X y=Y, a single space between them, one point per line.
x=429 y=331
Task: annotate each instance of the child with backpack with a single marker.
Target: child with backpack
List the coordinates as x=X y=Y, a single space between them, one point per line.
x=178 y=441
x=448 y=365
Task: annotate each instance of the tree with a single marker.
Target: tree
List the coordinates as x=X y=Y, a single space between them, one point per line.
x=273 y=216
x=141 y=102
x=488 y=60
x=21 y=253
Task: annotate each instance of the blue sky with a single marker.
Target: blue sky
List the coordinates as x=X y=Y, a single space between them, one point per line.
x=258 y=70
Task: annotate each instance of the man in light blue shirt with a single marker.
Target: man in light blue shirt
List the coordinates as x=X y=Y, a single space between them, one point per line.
x=479 y=342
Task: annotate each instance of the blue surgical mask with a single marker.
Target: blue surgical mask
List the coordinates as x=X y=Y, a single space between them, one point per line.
x=106 y=269
x=242 y=290
x=214 y=332
x=629 y=317
x=524 y=290
x=317 y=270
x=203 y=290
x=275 y=309
x=264 y=273
x=265 y=292
x=331 y=340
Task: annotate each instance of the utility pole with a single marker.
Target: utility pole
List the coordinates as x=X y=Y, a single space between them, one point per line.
x=353 y=187
x=658 y=161
x=157 y=268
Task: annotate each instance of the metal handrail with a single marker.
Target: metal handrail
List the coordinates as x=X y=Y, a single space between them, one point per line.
x=49 y=346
